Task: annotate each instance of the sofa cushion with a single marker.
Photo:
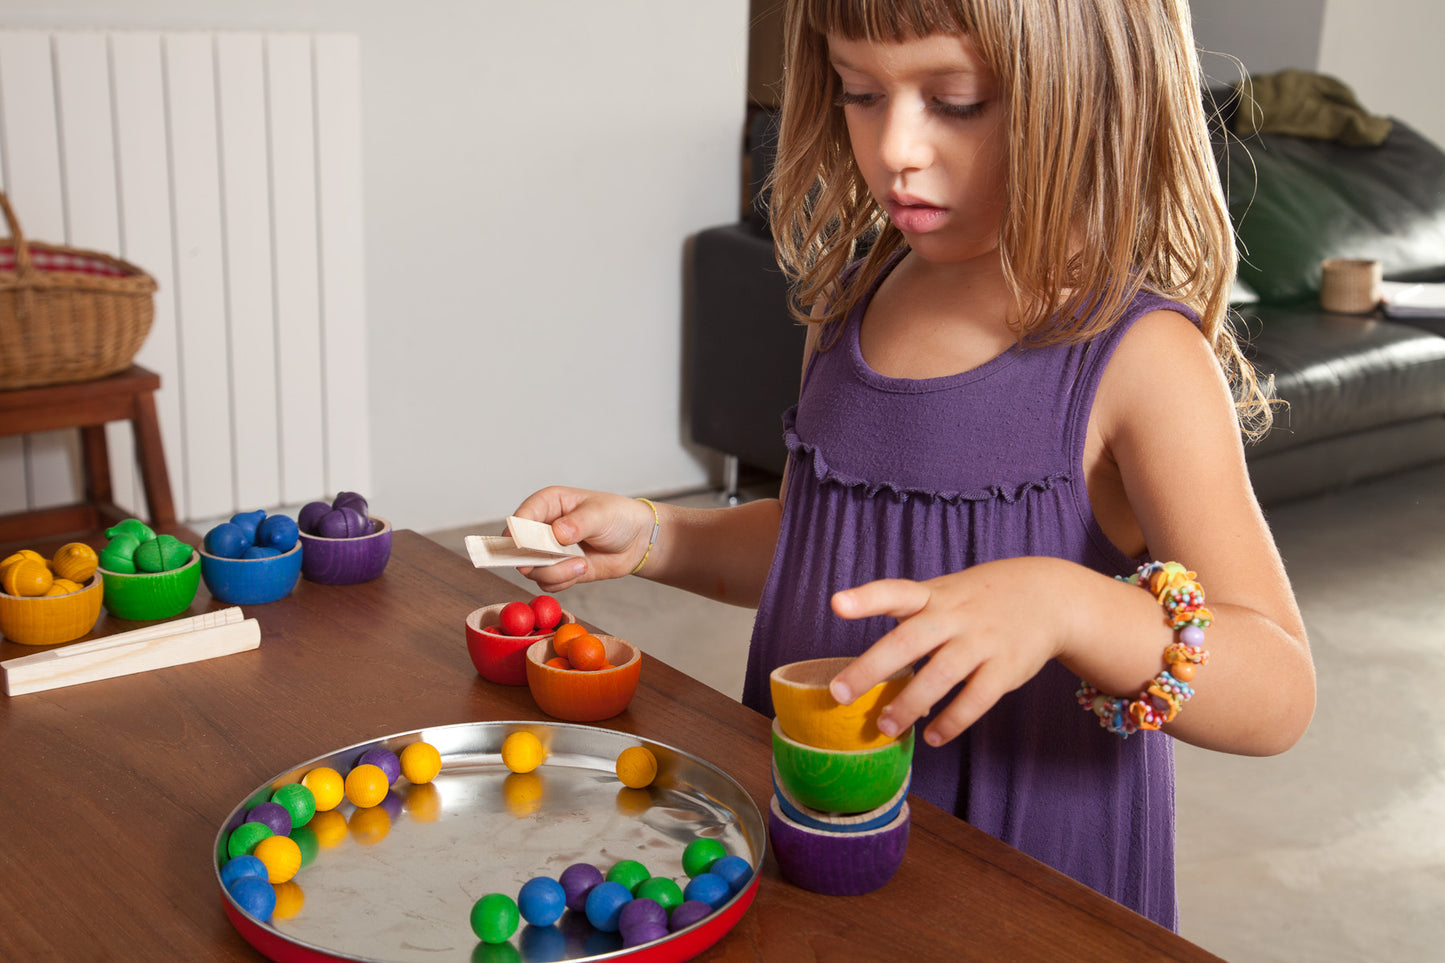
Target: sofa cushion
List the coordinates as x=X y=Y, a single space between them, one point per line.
x=1296 y=201
x=1341 y=373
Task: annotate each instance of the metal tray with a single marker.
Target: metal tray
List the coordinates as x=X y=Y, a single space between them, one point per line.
x=399 y=883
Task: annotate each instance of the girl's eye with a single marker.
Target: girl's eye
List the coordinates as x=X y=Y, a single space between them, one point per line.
x=848 y=99
x=959 y=111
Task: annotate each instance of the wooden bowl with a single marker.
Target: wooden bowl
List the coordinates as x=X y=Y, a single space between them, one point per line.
x=811 y=715
x=51 y=619
x=144 y=596
x=578 y=696
x=251 y=581
x=346 y=561
x=839 y=822
x=837 y=864
x=499 y=657
x=841 y=780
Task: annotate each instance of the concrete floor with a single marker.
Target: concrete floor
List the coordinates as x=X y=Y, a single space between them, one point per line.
x=1333 y=851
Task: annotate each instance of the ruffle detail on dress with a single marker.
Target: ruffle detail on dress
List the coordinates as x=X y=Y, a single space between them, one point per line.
x=825 y=474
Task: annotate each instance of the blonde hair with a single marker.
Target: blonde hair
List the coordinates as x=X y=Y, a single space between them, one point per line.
x=1113 y=185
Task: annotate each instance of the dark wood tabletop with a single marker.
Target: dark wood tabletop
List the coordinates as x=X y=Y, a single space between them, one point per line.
x=112 y=792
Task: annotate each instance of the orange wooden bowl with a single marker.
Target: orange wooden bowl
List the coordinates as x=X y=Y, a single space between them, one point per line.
x=578 y=696
x=51 y=619
x=499 y=657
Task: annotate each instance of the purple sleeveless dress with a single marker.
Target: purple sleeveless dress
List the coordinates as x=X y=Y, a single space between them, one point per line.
x=894 y=478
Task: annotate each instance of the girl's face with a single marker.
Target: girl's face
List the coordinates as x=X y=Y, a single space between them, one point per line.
x=927 y=123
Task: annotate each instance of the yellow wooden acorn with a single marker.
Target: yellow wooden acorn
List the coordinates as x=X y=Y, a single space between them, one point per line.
x=75 y=561
x=27 y=578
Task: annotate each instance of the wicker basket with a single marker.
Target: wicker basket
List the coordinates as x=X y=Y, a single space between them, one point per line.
x=65 y=314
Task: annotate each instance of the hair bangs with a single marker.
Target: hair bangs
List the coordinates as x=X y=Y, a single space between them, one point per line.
x=875 y=22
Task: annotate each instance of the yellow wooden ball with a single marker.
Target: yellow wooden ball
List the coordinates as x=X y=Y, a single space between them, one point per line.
x=523 y=752
x=636 y=767
x=420 y=762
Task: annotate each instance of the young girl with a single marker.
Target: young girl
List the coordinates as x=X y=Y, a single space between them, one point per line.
x=1019 y=397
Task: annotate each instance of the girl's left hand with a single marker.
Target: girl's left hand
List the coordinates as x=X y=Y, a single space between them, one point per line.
x=990 y=625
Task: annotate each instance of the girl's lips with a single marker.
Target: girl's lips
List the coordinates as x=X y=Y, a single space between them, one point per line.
x=914 y=217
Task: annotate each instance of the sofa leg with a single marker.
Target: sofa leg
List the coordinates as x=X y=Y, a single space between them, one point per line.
x=729 y=494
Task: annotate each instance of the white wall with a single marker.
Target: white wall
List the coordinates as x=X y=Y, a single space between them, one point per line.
x=1388 y=51
x=532 y=171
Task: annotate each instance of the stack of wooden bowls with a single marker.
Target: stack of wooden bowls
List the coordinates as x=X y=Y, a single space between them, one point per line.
x=838 y=819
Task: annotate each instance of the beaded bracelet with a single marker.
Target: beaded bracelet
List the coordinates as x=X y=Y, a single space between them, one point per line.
x=1183 y=599
x=656 y=524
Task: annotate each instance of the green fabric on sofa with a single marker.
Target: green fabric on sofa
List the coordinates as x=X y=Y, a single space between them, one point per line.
x=1296 y=201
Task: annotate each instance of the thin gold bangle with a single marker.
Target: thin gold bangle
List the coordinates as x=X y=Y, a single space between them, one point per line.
x=656 y=524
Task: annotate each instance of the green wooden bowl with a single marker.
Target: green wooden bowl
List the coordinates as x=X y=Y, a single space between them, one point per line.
x=841 y=780
x=145 y=596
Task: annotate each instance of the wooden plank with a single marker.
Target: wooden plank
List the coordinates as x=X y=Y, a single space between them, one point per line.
x=143 y=163
x=250 y=293
x=200 y=274
x=30 y=128
x=82 y=75
x=293 y=166
x=343 y=297
x=92 y=203
x=109 y=659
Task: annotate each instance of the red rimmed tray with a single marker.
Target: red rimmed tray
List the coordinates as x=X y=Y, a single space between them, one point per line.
x=398 y=884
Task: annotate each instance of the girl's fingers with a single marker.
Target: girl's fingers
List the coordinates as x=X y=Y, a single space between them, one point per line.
x=913 y=637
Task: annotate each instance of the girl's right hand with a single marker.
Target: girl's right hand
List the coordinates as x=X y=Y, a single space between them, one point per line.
x=613 y=531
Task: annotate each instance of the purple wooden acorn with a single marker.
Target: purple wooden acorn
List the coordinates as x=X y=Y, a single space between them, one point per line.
x=310 y=514
x=343 y=523
x=351 y=500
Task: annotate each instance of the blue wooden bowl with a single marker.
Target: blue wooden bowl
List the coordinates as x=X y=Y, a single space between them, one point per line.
x=251 y=581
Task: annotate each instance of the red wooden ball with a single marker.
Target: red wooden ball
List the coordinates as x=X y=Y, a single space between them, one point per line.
x=517 y=618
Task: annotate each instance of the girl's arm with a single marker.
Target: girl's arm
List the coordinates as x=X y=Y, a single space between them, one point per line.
x=719 y=553
x=1165 y=418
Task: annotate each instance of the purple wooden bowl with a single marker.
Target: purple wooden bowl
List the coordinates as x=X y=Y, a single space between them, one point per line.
x=346 y=561
x=837 y=864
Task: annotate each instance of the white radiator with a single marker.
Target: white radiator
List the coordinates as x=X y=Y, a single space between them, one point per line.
x=227 y=165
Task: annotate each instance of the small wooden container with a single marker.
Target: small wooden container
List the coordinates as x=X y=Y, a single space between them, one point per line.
x=1349 y=285
x=51 y=619
x=841 y=781
x=347 y=561
x=143 y=596
x=578 y=696
x=837 y=864
x=251 y=581
x=498 y=657
x=809 y=713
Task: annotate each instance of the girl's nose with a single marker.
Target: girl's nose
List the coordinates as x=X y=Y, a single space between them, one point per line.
x=904 y=144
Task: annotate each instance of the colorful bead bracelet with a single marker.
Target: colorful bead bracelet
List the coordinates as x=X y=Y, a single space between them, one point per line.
x=1183 y=599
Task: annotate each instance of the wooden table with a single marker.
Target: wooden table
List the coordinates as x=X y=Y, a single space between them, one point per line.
x=111 y=793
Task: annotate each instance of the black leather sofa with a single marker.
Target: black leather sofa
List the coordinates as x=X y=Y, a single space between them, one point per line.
x=1364 y=396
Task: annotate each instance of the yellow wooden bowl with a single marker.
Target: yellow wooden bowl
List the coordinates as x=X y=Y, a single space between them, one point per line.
x=809 y=714
x=51 y=619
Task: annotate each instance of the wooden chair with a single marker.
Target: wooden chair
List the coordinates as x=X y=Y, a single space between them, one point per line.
x=89 y=406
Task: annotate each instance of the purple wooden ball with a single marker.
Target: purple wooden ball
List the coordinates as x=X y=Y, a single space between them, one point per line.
x=310 y=514
x=642 y=912
x=643 y=934
x=688 y=913
x=343 y=523
x=577 y=881
x=351 y=500
x=273 y=815
x=385 y=760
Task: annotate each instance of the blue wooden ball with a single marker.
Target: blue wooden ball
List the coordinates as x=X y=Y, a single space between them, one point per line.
x=227 y=540
x=278 y=531
x=708 y=888
x=604 y=905
x=541 y=900
x=254 y=895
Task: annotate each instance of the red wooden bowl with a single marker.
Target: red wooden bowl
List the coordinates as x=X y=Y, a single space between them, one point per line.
x=346 y=561
x=837 y=864
x=578 y=696
x=499 y=657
